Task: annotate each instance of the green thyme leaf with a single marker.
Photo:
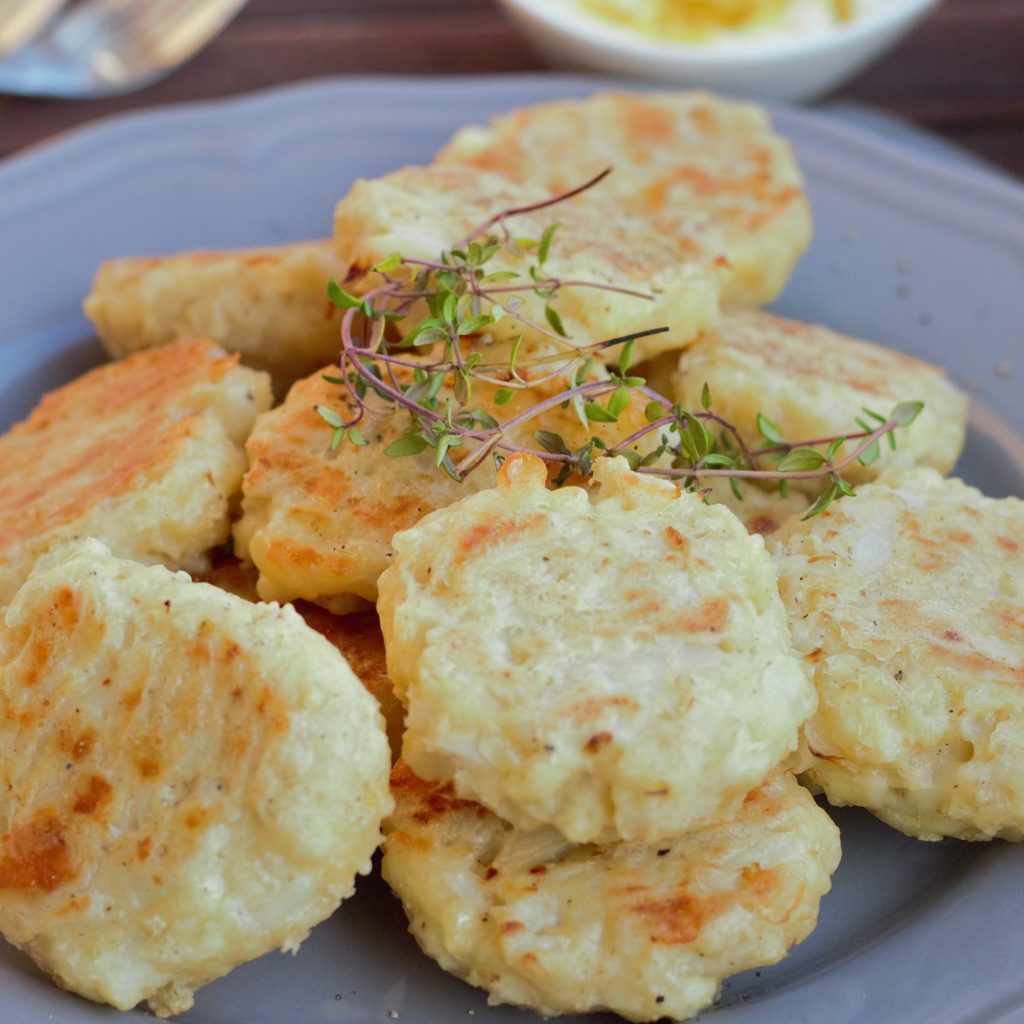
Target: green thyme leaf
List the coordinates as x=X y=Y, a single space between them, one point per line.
x=475 y=324
x=688 y=448
x=389 y=263
x=906 y=412
x=332 y=380
x=487 y=251
x=552 y=442
x=768 y=430
x=585 y=459
x=503 y=396
x=341 y=298
x=870 y=455
x=583 y=373
x=447 y=281
x=655 y=411
x=436 y=383
x=552 y=317
x=824 y=500
x=430 y=337
x=446 y=443
x=407 y=444
x=355 y=435
x=716 y=460
x=598 y=413
x=801 y=460
x=337 y=436
x=517 y=342
x=703 y=442
x=487 y=421
x=705 y=397
x=618 y=402
x=545 y=244
x=625 y=358
x=329 y=416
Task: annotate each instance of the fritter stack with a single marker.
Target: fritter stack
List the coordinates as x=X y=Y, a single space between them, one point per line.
x=602 y=691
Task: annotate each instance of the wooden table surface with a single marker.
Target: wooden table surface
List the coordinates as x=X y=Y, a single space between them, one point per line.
x=961 y=74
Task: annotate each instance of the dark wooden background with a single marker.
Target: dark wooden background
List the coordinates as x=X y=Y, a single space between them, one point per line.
x=961 y=74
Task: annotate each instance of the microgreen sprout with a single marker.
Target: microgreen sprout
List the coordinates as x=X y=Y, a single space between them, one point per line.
x=427 y=368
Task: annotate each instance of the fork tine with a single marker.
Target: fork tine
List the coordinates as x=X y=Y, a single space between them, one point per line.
x=107 y=47
x=23 y=20
x=167 y=30
x=174 y=25
x=92 y=22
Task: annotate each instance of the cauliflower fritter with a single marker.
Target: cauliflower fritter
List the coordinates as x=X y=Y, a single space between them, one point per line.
x=187 y=781
x=812 y=382
x=144 y=454
x=269 y=305
x=645 y=931
x=318 y=525
x=424 y=211
x=357 y=636
x=907 y=602
x=615 y=663
x=706 y=172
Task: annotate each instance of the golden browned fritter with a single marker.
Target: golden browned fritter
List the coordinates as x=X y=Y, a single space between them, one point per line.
x=907 y=603
x=144 y=454
x=187 y=780
x=318 y=525
x=706 y=174
x=422 y=211
x=614 y=661
x=813 y=382
x=645 y=931
x=269 y=305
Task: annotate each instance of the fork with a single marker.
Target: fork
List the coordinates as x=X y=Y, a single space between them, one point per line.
x=22 y=20
x=106 y=47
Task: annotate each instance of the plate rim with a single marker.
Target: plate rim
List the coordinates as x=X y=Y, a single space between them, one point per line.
x=90 y=140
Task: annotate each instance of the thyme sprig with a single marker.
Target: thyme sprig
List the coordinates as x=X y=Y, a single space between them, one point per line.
x=429 y=372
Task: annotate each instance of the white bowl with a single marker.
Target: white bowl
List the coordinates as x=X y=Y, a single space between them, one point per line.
x=796 y=66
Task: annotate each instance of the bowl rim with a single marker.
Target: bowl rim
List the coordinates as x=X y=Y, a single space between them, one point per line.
x=567 y=19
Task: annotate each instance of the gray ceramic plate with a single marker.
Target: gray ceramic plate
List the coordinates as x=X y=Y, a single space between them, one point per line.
x=911 y=250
